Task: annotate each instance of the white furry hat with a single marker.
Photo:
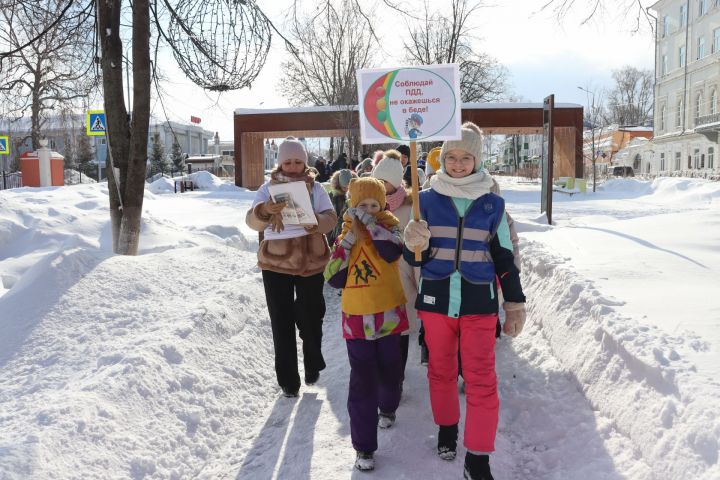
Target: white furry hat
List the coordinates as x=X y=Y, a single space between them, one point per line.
x=471 y=142
x=390 y=170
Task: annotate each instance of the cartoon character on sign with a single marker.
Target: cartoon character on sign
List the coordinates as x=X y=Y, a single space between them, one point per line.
x=412 y=126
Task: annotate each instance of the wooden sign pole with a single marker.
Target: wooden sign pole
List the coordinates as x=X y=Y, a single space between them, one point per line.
x=415 y=191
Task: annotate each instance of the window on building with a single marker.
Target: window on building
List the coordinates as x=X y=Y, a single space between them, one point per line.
x=702 y=160
x=702 y=7
x=681 y=56
x=662 y=162
x=713 y=102
x=52 y=144
x=711 y=157
x=683 y=15
x=678 y=158
x=679 y=114
x=662 y=118
x=698 y=107
x=664 y=65
x=700 y=47
x=665 y=26
x=716 y=40
x=696 y=158
x=636 y=162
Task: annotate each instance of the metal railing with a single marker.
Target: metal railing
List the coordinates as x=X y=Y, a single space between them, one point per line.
x=11 y=180
x=707 y=119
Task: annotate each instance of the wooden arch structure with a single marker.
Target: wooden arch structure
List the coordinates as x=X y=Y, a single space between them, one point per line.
x=253 y=126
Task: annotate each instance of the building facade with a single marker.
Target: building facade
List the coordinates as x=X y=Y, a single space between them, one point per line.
x=687 y=87
x=609 y=143
x=63 y=130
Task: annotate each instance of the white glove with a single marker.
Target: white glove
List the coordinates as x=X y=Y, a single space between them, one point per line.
x=417 y=235
x=514 y=318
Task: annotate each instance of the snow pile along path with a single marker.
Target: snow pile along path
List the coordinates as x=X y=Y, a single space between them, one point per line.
x=631 y=373
x=146 y=376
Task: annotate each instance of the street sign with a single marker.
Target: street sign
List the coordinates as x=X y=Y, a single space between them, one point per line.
x=409 y=104
x=96 y=123
x=4 y=145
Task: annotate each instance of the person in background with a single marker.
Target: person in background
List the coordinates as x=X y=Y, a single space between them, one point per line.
x=399 y=203
x=339 y=183
x=365 y=266
x=365 y=166
x=405 y=160
x=377 y=156
x=292 y=259
x=432 y=165
x=465 y=227
x=322 y=169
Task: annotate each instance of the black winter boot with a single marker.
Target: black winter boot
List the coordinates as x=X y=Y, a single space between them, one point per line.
x=477 y=467
x=447 y=442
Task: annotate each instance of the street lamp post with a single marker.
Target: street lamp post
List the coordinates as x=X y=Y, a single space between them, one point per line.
x=593 y=153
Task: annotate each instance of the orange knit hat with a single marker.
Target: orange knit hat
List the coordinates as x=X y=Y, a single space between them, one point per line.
x=433 y=160
x=367 y=187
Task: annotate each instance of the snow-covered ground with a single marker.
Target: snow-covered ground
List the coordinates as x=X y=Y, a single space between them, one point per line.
x=160 y=365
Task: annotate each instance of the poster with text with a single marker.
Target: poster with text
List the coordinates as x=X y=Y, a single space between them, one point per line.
x=409 y=104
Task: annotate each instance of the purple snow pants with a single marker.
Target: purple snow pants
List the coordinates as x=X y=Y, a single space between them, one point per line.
x=375 y=377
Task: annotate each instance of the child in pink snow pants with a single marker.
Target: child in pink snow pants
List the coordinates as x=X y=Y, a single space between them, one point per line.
x=466 y=247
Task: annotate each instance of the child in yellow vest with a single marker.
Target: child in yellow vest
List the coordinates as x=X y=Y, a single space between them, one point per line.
x=365 y=265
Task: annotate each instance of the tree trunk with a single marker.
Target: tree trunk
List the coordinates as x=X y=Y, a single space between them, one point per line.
x=127 y=141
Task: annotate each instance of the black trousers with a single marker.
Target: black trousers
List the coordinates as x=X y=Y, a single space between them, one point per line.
x=293 y=301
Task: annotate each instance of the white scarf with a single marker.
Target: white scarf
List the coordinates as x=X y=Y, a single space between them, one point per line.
x=471 y=187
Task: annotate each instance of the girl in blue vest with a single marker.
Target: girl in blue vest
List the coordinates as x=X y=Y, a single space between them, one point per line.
x=465 y=242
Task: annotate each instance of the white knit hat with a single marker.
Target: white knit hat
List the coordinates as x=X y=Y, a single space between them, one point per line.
x=390 y=170
x=291 y=147
x=471 y=142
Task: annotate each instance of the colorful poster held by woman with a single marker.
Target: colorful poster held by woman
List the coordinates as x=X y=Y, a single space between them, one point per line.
x=409 y=104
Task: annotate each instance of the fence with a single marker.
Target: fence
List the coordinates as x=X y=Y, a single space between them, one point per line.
x=11 y=180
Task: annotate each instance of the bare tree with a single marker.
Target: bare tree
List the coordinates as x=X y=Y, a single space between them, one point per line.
x=52 y=71
x=631 y=101
x=330 y=46
x=634 y=11
x=440 y=38
x=596 y=121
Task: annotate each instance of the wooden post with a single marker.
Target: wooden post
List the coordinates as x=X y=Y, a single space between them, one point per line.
x=415 y=191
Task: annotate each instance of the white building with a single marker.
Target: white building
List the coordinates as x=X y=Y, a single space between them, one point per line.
x=192 y=138
x=687 y=85
x=529 y=150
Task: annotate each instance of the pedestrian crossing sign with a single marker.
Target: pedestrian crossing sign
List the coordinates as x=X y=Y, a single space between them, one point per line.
x=4 y=146
x=96 y=123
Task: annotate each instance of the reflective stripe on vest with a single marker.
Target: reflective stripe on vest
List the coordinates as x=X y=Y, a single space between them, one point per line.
x=472 y=257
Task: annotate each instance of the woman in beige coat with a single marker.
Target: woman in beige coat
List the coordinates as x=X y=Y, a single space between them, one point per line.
x=292 y=259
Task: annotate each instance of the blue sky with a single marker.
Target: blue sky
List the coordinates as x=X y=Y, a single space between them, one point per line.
x=542 y=56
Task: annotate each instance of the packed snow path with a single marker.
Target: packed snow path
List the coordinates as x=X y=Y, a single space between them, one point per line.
x=160 y=366
x=547 y=429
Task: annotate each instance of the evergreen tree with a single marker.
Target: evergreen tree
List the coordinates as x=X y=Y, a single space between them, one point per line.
x=177 y=156
x=158 y=161
x=69 y=153
x=84 y=155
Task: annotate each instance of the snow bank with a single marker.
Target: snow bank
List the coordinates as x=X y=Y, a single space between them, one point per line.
x=631 y=373
x=73 y=177
x=162 y=185
x=131 y=382
x=208 y=181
